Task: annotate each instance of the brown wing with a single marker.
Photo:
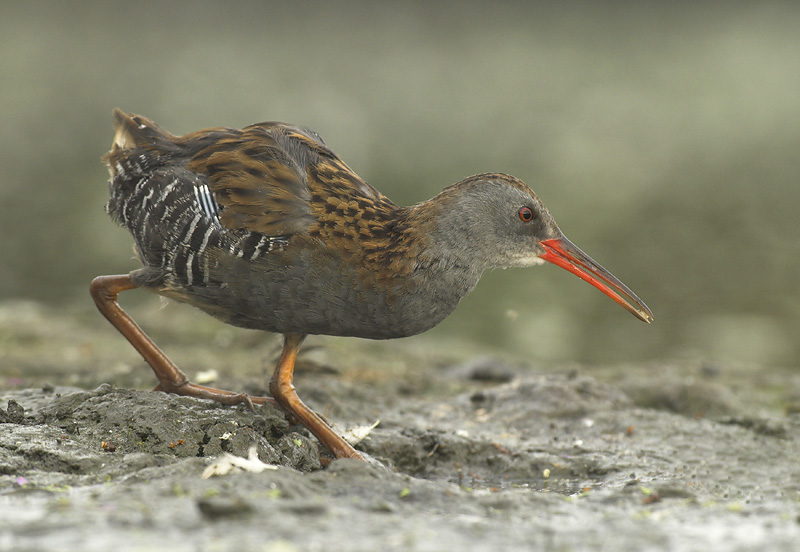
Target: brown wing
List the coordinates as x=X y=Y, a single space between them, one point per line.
x=266 y=177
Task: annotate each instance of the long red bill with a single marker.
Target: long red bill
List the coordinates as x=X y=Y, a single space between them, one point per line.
x=562 y=252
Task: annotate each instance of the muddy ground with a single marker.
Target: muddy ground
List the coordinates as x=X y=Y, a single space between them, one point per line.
x=472 y=452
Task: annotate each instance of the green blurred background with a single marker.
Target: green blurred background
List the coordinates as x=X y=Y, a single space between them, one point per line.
x=664 y=138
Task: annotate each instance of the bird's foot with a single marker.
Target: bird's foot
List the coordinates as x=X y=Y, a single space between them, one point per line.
x=189 y=389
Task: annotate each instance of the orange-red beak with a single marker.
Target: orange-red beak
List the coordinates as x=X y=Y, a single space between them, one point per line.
x=562 y=252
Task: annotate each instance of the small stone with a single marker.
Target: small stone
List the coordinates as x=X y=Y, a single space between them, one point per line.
x=217 y=507
x=14 y=413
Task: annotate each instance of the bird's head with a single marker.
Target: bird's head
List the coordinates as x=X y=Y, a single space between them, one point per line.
x=498 y=221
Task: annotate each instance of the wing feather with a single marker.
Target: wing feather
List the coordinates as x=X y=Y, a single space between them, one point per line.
x=259 y=187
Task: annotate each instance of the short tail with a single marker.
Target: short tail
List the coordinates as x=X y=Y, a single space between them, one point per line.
x=136 y=140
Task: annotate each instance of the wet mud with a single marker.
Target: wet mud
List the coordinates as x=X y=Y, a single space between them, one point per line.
x=469 y=454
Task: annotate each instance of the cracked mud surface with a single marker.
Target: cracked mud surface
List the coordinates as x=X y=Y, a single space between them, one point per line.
x=485 y=454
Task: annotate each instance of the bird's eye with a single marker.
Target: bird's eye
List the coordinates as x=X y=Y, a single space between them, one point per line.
x=525 y=214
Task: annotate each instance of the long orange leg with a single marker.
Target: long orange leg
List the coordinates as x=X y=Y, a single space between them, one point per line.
x=282 y=389
x=171 y=379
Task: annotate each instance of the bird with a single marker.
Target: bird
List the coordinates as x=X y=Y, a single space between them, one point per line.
x=266 y=228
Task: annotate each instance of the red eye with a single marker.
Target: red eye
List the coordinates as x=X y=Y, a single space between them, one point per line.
x=525 y=214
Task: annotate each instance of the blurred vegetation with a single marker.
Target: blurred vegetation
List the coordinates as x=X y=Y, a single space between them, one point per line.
x=664 y=138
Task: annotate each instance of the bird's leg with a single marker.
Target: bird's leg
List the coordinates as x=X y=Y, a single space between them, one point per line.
x=104 y=290
x=282 y=390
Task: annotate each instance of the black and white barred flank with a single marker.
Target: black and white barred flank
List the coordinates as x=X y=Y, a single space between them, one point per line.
x=175 y=221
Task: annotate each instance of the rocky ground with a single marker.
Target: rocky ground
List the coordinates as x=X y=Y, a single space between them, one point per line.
x=470 y=453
